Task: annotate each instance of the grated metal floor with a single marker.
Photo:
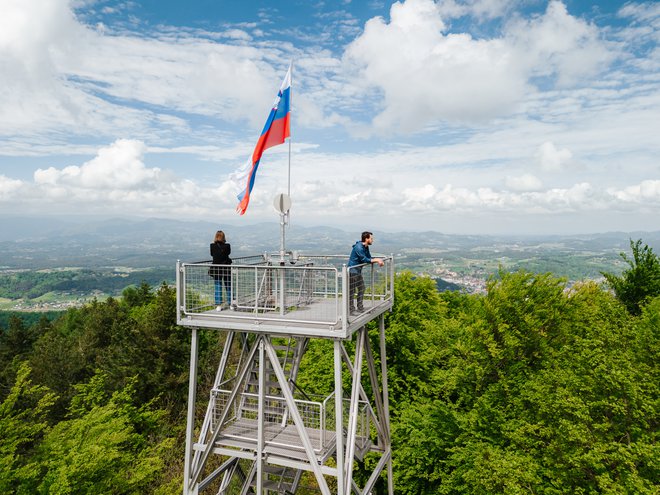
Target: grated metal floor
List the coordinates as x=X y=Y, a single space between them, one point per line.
x=281 y=440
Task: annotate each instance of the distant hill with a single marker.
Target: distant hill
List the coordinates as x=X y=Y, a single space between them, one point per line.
x=47 y=242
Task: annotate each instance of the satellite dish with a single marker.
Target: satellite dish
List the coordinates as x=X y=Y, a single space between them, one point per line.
x=282 y=203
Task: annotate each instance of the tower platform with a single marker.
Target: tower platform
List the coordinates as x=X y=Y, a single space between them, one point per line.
x=301 y=296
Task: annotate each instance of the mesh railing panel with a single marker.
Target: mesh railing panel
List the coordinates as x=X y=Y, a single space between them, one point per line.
x=318 y=417
x=245 y=410
x=299 y=292
x=311 y=290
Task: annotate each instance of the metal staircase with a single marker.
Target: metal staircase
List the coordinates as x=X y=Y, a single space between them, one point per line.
x=276 y=479
x=260 y=380
x=290 y=351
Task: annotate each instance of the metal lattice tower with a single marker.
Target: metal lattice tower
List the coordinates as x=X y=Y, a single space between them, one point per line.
x=261 y=433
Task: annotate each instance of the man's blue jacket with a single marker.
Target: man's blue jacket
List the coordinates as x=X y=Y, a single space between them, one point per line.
x=359 y=255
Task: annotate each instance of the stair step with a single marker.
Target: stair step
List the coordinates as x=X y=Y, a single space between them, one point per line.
x=255 y=368
x=268 y=383
x=269 y=468
x=269 y=372
x=267 y=410
x=273 y=485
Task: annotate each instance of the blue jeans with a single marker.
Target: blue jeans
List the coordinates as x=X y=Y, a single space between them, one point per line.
x=219 y=282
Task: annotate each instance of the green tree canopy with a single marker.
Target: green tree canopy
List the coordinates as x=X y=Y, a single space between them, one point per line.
x=537 y=389
x=22 y=425
x=641 y=281
x=109 y=444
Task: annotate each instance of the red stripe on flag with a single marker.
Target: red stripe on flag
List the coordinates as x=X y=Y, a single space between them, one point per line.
x=243 y=204
x=278 y=132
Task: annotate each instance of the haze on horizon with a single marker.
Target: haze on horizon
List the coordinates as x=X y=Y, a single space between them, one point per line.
x=458 y=116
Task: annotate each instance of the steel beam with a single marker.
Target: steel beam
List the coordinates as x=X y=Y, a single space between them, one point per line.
x=190 y=425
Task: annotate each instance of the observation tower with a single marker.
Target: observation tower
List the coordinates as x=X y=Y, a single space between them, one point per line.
x=262 y=433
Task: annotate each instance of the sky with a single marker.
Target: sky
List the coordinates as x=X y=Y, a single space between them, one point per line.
x=457 y=116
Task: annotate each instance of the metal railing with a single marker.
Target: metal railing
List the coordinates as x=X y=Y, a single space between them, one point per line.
x=313 y=289
x=318 y=418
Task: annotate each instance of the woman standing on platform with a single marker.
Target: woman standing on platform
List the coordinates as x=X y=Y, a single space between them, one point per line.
x=220 y=251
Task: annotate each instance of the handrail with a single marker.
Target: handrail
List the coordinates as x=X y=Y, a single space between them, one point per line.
x=312 y=292
x=320 y=423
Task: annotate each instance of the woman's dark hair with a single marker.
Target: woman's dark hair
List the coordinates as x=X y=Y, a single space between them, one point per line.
x=219 y=236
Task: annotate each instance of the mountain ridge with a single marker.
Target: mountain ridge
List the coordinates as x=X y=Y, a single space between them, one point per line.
x=52 y=241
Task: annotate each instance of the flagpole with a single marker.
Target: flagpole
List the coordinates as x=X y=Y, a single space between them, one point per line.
x=288 y=191
x=285 y=215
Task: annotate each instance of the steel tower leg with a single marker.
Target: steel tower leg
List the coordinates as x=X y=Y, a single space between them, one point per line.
x=386 y=401
x=353 y=414
x=339 y=420
x=260 y=415
x=190 y=425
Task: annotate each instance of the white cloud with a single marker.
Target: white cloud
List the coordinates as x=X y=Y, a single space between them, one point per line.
x=427 y=76
x=481 y=9
x=118 y=181
x=644 y=12
x=118 y=166
x=576 y=198
x=558 y=44
x=8 y=187
x=237 y=34
x=552 y=159
x=60 y=75
x=525 y=182
x=183 y=73
x=115 y=181
x=647 y=191
x=33 y=94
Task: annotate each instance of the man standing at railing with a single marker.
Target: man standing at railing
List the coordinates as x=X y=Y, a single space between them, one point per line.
x=360 y=256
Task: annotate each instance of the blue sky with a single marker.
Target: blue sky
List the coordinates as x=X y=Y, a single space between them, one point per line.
x=460 y=116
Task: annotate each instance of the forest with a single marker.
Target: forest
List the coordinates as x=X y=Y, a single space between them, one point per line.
x=33 y=284
x=532 y=387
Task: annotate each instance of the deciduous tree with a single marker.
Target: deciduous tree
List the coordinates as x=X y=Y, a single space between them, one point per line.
x=22 y=425
x=108 y=445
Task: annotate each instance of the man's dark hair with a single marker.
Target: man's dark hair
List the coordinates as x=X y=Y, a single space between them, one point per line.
x=366 y=235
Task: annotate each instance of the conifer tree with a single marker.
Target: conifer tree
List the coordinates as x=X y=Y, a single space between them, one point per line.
x=641 y=281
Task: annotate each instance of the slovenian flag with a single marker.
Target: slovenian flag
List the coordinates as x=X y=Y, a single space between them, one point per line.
x=275 y=132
